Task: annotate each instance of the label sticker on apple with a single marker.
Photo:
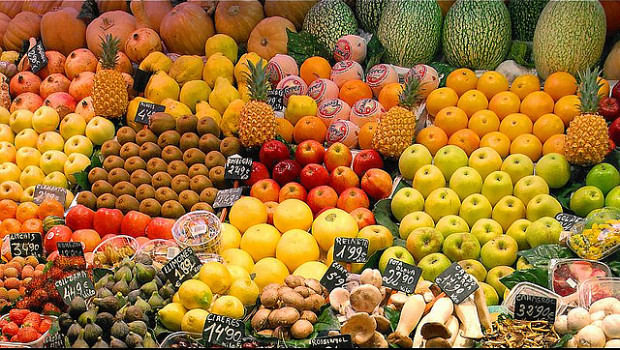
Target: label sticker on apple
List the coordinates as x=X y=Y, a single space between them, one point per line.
x=43 y=192
x=351 y=250
x=456 y=283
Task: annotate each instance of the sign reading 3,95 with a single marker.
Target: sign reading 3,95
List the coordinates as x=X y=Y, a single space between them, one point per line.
x=182 y=267
x=351 y=250
x=224 y=331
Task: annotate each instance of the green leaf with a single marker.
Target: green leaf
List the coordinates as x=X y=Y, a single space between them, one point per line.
x=304 y=45
x=393 y=316
x=374 y=53
x=615 y=268
x=81 y=179
x=541 y=255
x=96 y=159
x=539 y=276
x=373 y=261
x=383 y=216
x=563 y=194
x=564 y=340
x=521 y=52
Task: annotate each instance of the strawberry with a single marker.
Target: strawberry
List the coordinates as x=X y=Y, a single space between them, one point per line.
x=27 y=334
x=3 y=338
x=3 y=323
x=10 y=329
x=18 y=315
x=45 y=325
x=32 y=320
x=51 y=309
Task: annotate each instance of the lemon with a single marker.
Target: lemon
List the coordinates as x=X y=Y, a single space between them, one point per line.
x=171 y=316
x=217 y=66
x=230 y=118
x=245 y=290
x=195 y=294
x=297 y=247
x=186 y=68
x=216 y=276
x=238 y=257
x=176 y=298
x=299 y=106
x=230 y=237
x=194 y=321
x=241 y=68
x=228 y=305
x=311 y=269
x=238 y=273
x=224 y=44
x=260 y=241
x=193 y=92
x=291 y=214
x=269 y=270
x=246 y=212
x=222 y=95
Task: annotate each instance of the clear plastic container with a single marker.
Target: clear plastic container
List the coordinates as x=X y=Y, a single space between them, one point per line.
x=33 y=344
x=200 y=230
x=114 y=250
x=595 y=289
x=160 y=250
x=565 y=275
x=175 y=337
x=598 y=236
x=535 y=290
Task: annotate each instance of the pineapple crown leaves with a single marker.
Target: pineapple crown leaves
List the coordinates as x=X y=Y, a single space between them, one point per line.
x=256 y=78
x=410 y=96
x=588 y=90
x=109 y=47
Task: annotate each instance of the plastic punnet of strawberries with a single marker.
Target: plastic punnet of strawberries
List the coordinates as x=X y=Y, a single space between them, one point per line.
x=23 y=326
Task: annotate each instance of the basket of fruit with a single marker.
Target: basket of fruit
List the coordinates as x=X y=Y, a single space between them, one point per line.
x=24 y=328
x=114 y=250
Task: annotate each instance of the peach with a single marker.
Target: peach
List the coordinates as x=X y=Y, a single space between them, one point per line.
x=366 y=110
x=322 y=197
x=332 y=110
x=292 y=85
x=342 y=178
x=377 y=183
x=429 y=79
x=27 y=100
x=323 y=89
x=80 y=60
x=85 y=108
x=24 y=82
x=292 y=190
x=379 y=76
x=346 y=70
x=363 y=216
x=55 y=82
x=352 y=198
x=82 y=85
x=350 y=47
x=267 y=190
x=281 y=66
x=62 y=102
x=344 y=131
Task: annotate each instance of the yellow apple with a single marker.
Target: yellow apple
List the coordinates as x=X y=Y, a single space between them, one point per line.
x=485 y=160
x=11 y=190
x=441 y=202
x=50 y=140
x=7 y=152
x=529 y=187
x=99 y=130
x=52 y=161
x=508 y=210
x=5 y=116
x=71 y=125
x=333 y=223
x=542 y=205
x=20 y=119
x=69 y=199
x=428 y=178
x=6 y=134
x=26 y=138
x=32 y=175
x=414 y=220
x=79 y=144
x=45 y=119
x=28 y=194
x=27 y=156
x=75 y=163
x=57 y=179
x=379 y=237
x=9 y=172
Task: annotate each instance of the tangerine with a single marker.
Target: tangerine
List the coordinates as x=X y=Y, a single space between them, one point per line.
x=472 y=101
x=462 y=80
x=515 y=124
x=32 y=225
x=560 y=84
x=353 y=91
x=498 y=141
x=433 y=138
x=504 y=103
x=491 y=83
x=451 y=119
x=8 y=208
x=554 y=144
x=10 y=226
x=536 y=104
x=528 y=145
x=439 y=99
x=466 y=139
x=89 y=238
x=484 y=122
x=310 y=128
x=567 y=108
x=25 y=211
x=390 y=95
x=524 y=85
x=314 y=68
x=548 y=125
x=50 y=207
x=367 y=131
x=285 y=129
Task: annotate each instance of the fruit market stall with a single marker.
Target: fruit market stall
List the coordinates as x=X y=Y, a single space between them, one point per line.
x=320 y=173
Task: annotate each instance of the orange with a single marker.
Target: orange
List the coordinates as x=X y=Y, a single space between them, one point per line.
x=492 y=83
x=390 y=95
x=466 y=139
x=11 y=226
x=554 y=144
x=310 y=128
x=515 y=124
x=524 y=85
x=603 y=91
x=32 y=225
x=25 y=211
x=353 y=91
x=285 y=129
x=462 y=80
x=50 y=207
x=451 y=119
x=439 y=99
x=536 y=104
x=567 y=108
x=433 y=138
x=548 y=125
x=314 y=68
x=472 y=101
x=483 y=122
x=367 y=131
x=560 y=84
x=527 y=144
x=498 y=141
x=7 y=209
x=504 y=103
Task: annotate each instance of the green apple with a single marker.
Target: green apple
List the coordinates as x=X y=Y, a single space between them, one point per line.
x=396 y=252
x=427 y=179
x=466 y=181
x=433 y=265
x=9 y=172
x=75 y=163
x=27 y=156
x=31 y=175
x=6 y=134
x=450 y=224
x=20 y=119
x=485 y=160
x=613 y=198
x=474 y=268
x=523 y=264
x=99 y=130
x=508 y=210
x=500 y=251
x=545 y=230
x=529 y=187
x=424 y=241
x=412 y=159
x=450 y=158
x=441 y=202
x=586 y=199
x=44 y=119
x=474 y=208
x=379 y=237
x=495 y=274
x=497 y=185
x=554 y=168
x=50 y=141
x=405 y=201
x=8 y=152
x=72 y=124
x=56 y=178
x=542 y=205
x=413 y=221
x=461 y=246
x=518 y=166
x=52 y=161
x=604 y=176
x=490 y=294
x=518 y=231
x=79 y=144
x=26 y=138
x=486 y=229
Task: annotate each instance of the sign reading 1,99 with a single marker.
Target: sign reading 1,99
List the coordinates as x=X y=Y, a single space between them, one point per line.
x=351 y=250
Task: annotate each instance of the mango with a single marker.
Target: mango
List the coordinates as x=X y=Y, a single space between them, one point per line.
x=160 y=87
x=193 y=92
x=186 y=68
x=217 y=66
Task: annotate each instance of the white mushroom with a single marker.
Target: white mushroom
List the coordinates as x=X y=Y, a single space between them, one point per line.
x=398 y=300
x=339 y=299
x=461 y=341
x=590 y=337
x=611 y=326
x=613 y=343
x=361 y=327
x=365 y=298
x=578 y=318
x=610 y=305
x=561 y=325
x=409 y=318
x=371 y=276
x=453 y=326
x=468 y=315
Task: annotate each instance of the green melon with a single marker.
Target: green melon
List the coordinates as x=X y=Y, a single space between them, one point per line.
x=477 y=34
x=569 y=36
x=410 y=31
x=524 y=16
x=330 y=20
x=368 y=13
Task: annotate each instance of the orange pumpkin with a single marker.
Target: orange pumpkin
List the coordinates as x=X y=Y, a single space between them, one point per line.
x=207 y=5
x=112 y=5
x=40 y=7
x=150 y=13
x=76 y=4
x=185 y=29
x=24 y=26
x=294 y=11
x=269 y=37
x=118 y=23
x=238 y=18
x=4 y=24
x=67 y=37
x=11 y=8
x=142 y=42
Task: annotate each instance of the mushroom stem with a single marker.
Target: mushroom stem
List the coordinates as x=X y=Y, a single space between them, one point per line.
x=409 y=318
x=439 y=313
x=339 y=299
x=453 y=326
x=468 y=315
x=461 y=341
x=481 y=306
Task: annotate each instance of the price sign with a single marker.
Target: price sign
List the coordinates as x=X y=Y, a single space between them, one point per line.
x=335 y=276
x=401 y=276
x=275 y=98
x=140 y=79
x=146 y=110
x=70 y=248
x=238 y=168
x=78 y=284
x=456 y=283
x=226 y=198
x=42 y=192
x=225 y=331
x=568 y=220
x=36 y=57
x=339 y=341
x=26 y=244
x=56 y=341
x=352 y=250
x=535 y=308
x=182 y=267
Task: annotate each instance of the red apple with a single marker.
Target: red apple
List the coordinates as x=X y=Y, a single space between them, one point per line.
x=615 y=91
x=58 y=233
x=313 y=175
x=272 y=152
x=286 y=171
x=609 y=108
x=322 y=197
x=107 y=221
x=79 y=217
x=367 y=159
x=342 y=178
x=259 y=172
x=134 y=223
x=614 y=131
x=159 y=228
x=363 y=216
x=377 y=183
x=266 y=190
x=292 y=190
x=353 y=198
x=309 y=151
x=336 y=155
x=271 y=208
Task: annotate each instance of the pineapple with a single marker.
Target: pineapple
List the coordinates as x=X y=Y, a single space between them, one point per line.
x=587 y=141
x=397 y=127
x=257 y=121
x=110 y=96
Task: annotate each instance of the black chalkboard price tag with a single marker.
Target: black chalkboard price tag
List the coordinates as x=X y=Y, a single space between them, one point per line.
x=140 y=79
x=70 y=248
x=226 y=198
x=26 y=244
x=146 y=110
x=36 y=57
x=535 y=308
x=225 y=331
x=568 y=220
x=42 y=192
x=456 y=283
x=275 y=98
x=54 y=338
x=238 y=168
x=78 y=284
x=335 y=276
x=401 y=276
x=182 y=267
x=351 y=250
x=338 y=341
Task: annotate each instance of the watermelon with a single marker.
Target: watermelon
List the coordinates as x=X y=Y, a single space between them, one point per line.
x=369 y=13
x=524 y=16
x=410 y=31
x=330 y=20
x=569 y=36
x=477 y=34
x=52 y=221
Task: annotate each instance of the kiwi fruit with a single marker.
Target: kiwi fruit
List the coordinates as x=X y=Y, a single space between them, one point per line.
x=177 y=167
x=202 y=206
x=97 y=174
x=110 y=148
x=197 y=169
x=161 y=122
x=169 y=138
x=87 y=199
x=161 y=179
x=230 y=145
x=117 y=175
x=193 y=156
x=163 y=194
x=140 y=177
x=106 y=200
x=126 y=203
x=170 y=153
x=214 y=158
x=134 y=163
x=150 y=207
x=172 y=209
x=149 y=150
x=216 y=175
x=186 y=123
x=208 y=143
x=188 y=140
x=145 y=135
x=199 y=183
x=180 y=183
x=208 y=126
x=188 y=198
x=100 y=187
x=208 y=195
x=125 y=134
x=155 y=165
x=124 y=187
x=145 y=191
x=113 y=162
x=129 y=149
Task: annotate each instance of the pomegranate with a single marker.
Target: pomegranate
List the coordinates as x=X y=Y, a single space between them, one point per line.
x=62 y=102
x=82 y=85
x=142 y=42
x=80 y=60
x=129 y=81
x=24 y=82
x=85 y=108
x=54 y=83
x=55 y=64
x=27 y=100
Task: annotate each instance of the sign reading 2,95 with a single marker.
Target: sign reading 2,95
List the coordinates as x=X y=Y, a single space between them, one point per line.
x=351 y=250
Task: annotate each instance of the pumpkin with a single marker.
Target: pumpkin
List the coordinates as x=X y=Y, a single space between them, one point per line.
x=238 y=18
x=76 y=4
x=40 y=7
x=66 y=38
x=24 y=26
x=11 y=8
x=612 y=13
x=4 y=24
x=142 y=42
x=150 y=13
x=207 y=5
x=118 y=23
x=185 y=29
x=611 y=69
x=294 y=11
x=269 y=37
x=112 y=5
